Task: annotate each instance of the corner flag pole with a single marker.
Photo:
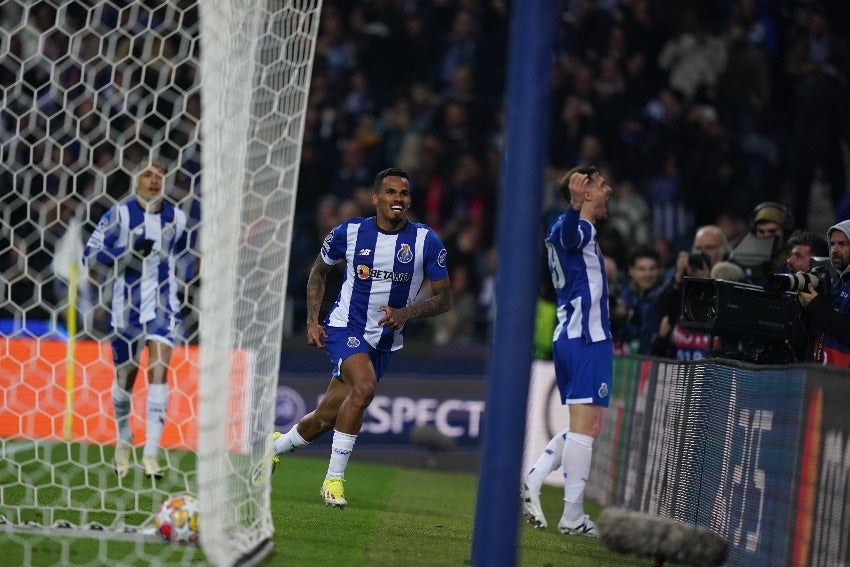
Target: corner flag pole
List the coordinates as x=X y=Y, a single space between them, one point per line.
x=70 y=357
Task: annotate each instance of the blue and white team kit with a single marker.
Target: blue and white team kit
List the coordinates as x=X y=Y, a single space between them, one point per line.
x=144 y=302
x=582 y=349
x=382 y=268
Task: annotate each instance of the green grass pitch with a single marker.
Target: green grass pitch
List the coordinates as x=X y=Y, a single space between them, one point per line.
x=395 y=516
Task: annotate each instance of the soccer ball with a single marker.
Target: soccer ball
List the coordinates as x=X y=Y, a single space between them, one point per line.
x=177 y=519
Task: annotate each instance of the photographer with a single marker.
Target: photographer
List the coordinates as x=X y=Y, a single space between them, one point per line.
x=804 y=247
x=709 y=247
x=828 y=311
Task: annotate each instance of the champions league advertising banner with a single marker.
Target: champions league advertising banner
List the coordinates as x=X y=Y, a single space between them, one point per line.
x=413 y=393
x=455 y=407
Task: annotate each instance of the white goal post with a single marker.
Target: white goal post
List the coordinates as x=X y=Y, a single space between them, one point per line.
x=217 y=91
x=256 y=68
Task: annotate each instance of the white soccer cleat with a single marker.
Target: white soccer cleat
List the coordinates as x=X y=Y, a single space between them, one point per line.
x=531 y=508
x=152 y=468
x=261 y=471
x=584 y=526
x=123 y=453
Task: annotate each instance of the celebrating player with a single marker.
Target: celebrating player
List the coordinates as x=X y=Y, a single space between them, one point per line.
x=582 y=349
x=138 y=240
x=387 y=259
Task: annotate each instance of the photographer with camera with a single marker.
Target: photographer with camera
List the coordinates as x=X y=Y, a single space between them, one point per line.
x=709 y=247
x=804 y=248
x=826 y=305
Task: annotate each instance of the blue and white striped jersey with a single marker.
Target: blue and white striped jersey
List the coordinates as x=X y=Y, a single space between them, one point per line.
x=382 y=268
x=143 y=291
x=578 y=274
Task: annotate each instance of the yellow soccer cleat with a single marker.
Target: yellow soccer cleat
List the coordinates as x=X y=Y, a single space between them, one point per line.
x=333 y=492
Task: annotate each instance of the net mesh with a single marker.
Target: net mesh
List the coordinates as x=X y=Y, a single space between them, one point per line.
x=260 y=98
x=90 y=89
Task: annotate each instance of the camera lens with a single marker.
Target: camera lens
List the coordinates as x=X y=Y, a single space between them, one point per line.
x=698 y=260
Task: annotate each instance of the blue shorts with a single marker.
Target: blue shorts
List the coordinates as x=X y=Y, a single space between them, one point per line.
x=128 y=343
x=583 y=371
x=342 y=343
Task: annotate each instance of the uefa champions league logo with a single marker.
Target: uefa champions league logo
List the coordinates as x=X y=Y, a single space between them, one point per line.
x=289 y=408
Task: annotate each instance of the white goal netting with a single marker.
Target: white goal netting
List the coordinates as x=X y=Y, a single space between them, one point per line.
x=92 y=88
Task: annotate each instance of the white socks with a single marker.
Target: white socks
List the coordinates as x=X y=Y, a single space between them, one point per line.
x=341 y=448
x=578 y=450
x=121 y=402
x=289 y=442
x=549 y=460
x=155 y=417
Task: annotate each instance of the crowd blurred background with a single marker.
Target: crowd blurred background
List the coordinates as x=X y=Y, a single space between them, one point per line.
x=695 y=110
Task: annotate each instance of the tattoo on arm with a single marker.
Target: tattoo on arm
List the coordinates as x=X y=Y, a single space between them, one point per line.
x=439 y=302
x=316 y=288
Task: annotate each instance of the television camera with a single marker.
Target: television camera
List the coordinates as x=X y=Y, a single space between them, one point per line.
x=754 y=325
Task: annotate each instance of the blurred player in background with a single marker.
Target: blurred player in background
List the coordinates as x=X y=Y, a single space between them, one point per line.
x=135 y=245
x=388 y=260
x=582 y=349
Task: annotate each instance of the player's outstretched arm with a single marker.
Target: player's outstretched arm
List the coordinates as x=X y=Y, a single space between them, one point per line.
x=440 y=301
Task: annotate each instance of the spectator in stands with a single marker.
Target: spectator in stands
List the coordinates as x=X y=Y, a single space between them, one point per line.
x=629 y=213
x=804 y=246
x=828 y=310
x=817 y=63
x=642 y=321
x=136 y=244
x=457 y=325
x=673 y=341
x=671 y=218
x=618 y=312
x=694 y=58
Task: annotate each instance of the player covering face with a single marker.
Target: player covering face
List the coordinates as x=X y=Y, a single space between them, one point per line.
x=582 y=349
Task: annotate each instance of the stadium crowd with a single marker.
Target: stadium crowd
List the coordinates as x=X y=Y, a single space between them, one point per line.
x=696 y=112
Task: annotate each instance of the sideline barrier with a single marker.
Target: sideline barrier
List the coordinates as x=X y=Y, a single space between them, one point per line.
x=758 y=454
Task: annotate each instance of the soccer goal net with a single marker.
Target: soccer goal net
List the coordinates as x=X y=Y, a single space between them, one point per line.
x=216 y=92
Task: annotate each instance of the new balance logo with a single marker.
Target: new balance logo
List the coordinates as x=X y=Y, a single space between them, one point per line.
x=364 y=252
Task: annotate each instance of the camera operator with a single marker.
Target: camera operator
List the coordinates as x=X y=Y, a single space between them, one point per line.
x=804 y=246
x=828 y=311
x=773 y=219
x=709 y=247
